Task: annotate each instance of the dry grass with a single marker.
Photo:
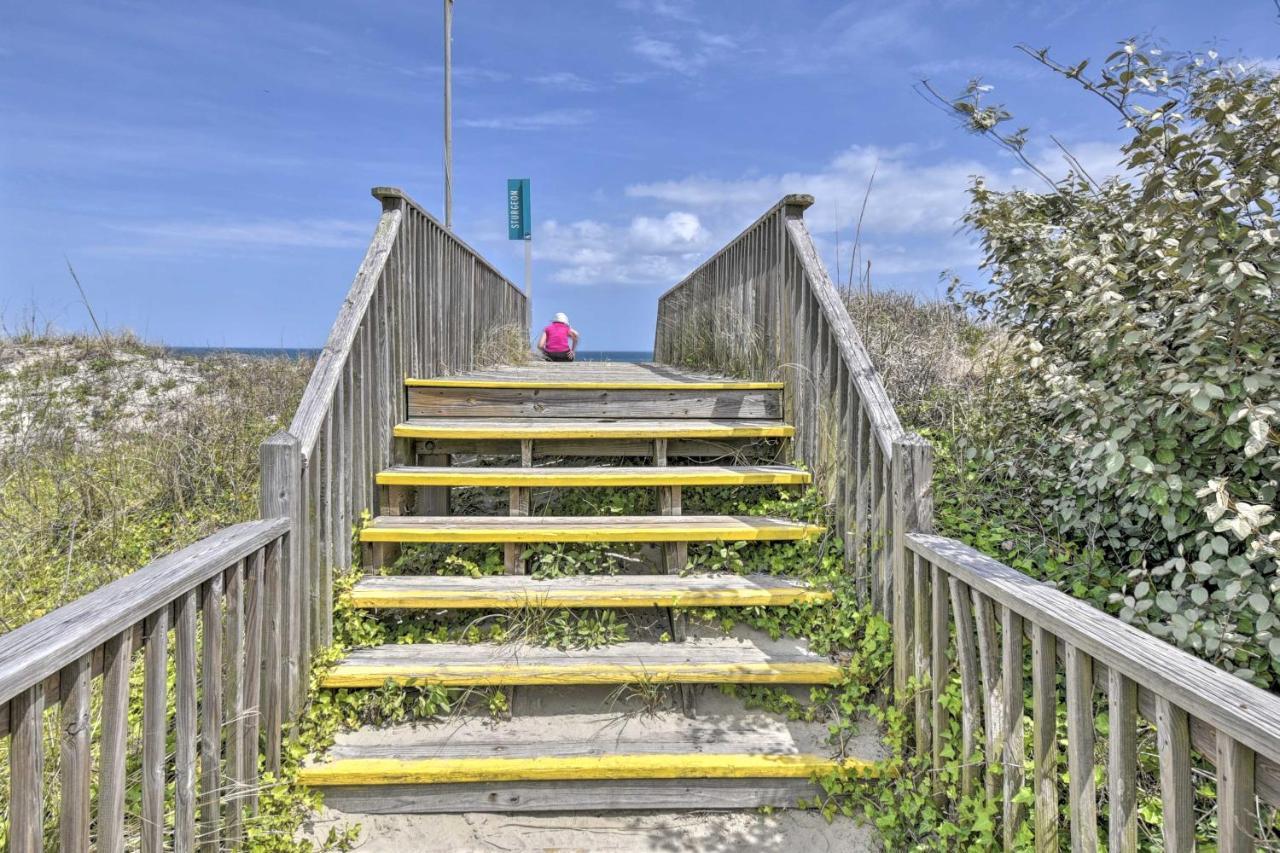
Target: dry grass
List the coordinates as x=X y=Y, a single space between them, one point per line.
x=507 y=344
x=933 y=359
x=113 y=453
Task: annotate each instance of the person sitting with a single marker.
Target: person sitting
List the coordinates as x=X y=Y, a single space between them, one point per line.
x=558 y=340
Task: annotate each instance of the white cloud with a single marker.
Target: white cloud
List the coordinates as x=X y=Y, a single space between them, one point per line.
x=687 y=55
x=532 y=121
x=909 y=195
x=168 y=236
x=676 y=10
x=647 y=250
x=912 y=223
x=565 y=81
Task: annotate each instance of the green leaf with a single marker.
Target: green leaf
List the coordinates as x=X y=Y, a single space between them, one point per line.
x=1142 y=464
x=1166 y=602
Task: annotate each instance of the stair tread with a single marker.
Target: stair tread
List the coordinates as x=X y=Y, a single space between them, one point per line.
x=702 y=590
x=698 y=660
x=601 y=383
x=595 y=475
x=586 y=746
x=618 y=528
x=581 y=428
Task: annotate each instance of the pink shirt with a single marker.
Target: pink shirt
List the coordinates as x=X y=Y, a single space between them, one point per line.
x=557 y=337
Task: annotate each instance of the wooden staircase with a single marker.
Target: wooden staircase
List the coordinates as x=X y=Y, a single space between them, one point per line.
x=666 y=758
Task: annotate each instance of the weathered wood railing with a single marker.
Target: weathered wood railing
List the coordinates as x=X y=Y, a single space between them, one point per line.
x=976 y=615
x=764 y=306
x=220 y=599
x=248 y=606
x=423 y=303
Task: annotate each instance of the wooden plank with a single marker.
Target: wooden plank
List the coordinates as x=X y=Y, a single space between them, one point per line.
x=500 y=592
x=589 y=428
x=693 y=765
x=155 y=726
x=26 y=771
x=1174 y=749
x=519 y=505
x=568 y=795
x=993 y=713
x=1083 y=801
x=1122 y=763
x=1237 y=813
x=186 y=729
x=1044 y=727
x=211 y=787
x=117 y=661
x=940 y=672
x=280 y=497
x=671 y=402
x=272 y=713
x=696 y=661
x=255 y=605
x=1013 y=705
x=688 y=528
x=603 y=448
x=922 y=664
x=540 y=381
x=233 y=692
x=602 y=476
x=314 y=405
x=75 y=765
x=42 y=647
x=1248 y=714
x=911 y=508
x=970 y=693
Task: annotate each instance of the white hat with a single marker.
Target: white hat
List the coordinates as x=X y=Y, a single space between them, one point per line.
x=560 y=318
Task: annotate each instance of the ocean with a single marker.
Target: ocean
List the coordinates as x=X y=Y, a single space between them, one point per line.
x=309 y=352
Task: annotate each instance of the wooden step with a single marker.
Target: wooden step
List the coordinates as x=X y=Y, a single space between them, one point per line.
x=480 y=399
x=496 y=429
x=595 y=385
x=603 y=476
x=513 y=591
x=695 y=661
x=621 y=528
x=593 y=762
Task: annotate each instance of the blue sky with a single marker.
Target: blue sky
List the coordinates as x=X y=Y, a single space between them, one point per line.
x=206 y=167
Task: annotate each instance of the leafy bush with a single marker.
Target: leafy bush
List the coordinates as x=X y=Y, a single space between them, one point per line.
x=1142 y=320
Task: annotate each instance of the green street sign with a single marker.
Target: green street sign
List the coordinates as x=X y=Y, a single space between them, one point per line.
x=519 y=226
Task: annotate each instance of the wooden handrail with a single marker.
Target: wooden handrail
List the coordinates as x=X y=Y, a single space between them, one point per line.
x=1249 y=714
x=42 y=647
x=227 y=589
x=764 y=306
x=317 y=396
x=423 y=302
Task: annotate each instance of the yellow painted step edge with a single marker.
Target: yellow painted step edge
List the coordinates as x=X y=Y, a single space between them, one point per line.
x=699 y=765
x=500 y=674
x=596 y=534
x=422 y=598
x=613 y=477
x=616 y=429
x=618 y=385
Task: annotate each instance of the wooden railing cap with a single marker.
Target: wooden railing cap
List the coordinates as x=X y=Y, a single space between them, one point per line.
x=37 y=650
x=801 y=200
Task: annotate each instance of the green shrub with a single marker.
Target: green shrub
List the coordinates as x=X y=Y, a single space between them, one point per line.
x=1142 y=320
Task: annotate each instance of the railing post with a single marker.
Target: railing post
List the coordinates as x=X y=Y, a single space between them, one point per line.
x=912 y=475
x=281 y=496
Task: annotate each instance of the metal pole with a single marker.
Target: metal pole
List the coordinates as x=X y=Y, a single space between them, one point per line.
x=528 y=277
x=448 y=114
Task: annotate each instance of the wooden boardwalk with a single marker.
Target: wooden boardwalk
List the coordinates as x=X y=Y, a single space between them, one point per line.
x=225 y=632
